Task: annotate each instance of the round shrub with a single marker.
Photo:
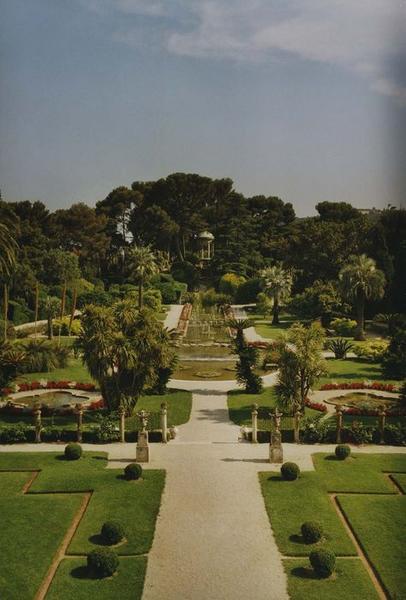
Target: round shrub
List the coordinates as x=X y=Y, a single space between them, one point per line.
x=133 y=471
x=342 y=451
x=102 y=562
x=290 y=471
x=323 y=562
x=73 y=451
x=112 y=532
x=311 y=532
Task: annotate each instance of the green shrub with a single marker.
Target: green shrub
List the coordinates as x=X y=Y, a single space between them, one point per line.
x=102 y=562
x=106 y=430
x=17 y=434
x=372 y=351
x=312 y=532
x=64 y=323
x=394 y=359
x=290 y=471
x=344 y=327
x=132 y=471
x=112 y=532
x=229 y=284
x=323 y=562
x=340 y=347
x=73 y=451
x=342 y=451
x=395 y=434
x=316 y=429
x=249 y=290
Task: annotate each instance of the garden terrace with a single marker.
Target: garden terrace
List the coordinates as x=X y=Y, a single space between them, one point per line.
x=54 y=509
x=361 y=506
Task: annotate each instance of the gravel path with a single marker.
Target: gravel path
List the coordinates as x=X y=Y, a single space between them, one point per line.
x=172 y=316
x=213 y=540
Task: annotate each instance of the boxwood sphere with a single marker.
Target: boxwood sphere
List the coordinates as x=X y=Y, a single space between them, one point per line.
x=102 y=562
x=73 y=451
x=112 y=532
x=311 y=531
x=323 y=562
x=133 y=471
x=342 y=451
x=290 y=471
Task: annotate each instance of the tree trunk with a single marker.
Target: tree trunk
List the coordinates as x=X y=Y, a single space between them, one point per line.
x=360 y=305
x=5 y=300
x=140 y=294
x=49 y=327
x=275 y=311
x=72 y=314
x=36 y=308
x=63 y=300
x=178 y=249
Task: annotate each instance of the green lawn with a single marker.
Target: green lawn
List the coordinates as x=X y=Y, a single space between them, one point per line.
x=355 y=369
x=351 y=581
x=72 y=581
x=38 y=521
x=376 y=511
x=263 y=326
x=240 y=408
x=75 y=371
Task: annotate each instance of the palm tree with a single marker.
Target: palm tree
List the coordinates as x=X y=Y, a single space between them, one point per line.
x=360 y=280
x=8 y=250
x=238 y=325
x=278 y=284
x=50 y=307
x=142 y=263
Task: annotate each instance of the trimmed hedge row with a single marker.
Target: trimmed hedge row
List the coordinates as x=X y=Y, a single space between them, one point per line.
x=21 y=433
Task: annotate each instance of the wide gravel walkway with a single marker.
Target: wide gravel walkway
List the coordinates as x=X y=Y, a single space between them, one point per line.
x=213 y=540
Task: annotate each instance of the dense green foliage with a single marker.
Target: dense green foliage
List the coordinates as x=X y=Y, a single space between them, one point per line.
x=323 y=562
x=73 y=451
x=290 y=471
x=102 y=562
x=312 y=532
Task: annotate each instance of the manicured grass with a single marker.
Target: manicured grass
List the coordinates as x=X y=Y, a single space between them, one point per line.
x=72 y=581
x=377 y=514
x=290 y=503
x=400 y=479
x=379 y=523
x=265 y=328
x=179 y=406
x=351 y=581
x=240 y=408
x=355 y=369
x=38 y=520
x=75 y=371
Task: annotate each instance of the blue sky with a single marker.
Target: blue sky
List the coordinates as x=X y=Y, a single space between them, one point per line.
x=305 y=99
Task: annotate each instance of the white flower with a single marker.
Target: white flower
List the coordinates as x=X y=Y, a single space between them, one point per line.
x=43 y=383
x=72 y=384
x=16 y=388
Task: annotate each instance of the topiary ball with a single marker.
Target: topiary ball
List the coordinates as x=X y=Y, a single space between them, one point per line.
x=311 y=531
x=112 y=532
x=290 y=471
x=342 y=451
x=323 y=562
x=102 y=562
x=73 y=451
x=133 y=471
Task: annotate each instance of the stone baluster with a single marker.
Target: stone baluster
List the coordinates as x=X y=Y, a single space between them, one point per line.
x=339 y=417
x=79 y=415
x=164 y=422
x=296 y=426
x=382 y=421
x=37 y=422
x=121 y=414
x=254 y=418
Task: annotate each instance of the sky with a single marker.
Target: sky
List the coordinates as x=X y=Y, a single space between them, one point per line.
x=301 y=99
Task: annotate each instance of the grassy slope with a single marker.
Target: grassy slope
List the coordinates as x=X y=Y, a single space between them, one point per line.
x=38 y=522
x=379 y=521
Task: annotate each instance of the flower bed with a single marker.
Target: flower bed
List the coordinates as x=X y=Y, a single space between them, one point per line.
x=319 y=406
x=47 y=385
x=360 y=385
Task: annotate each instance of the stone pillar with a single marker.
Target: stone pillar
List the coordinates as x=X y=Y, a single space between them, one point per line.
x=254 y=418
x=79 y=414
x=121 y=414
x=296 y=426
x=164 y=422
x=382 y=420
x=339 y=417
x=275 y=448
x=142 y=455
x=37 y=422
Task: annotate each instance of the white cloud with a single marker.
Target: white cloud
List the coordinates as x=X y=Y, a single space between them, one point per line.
x=362 y=36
